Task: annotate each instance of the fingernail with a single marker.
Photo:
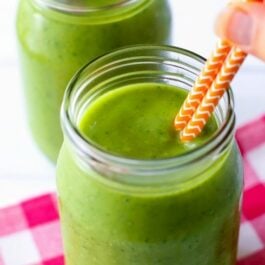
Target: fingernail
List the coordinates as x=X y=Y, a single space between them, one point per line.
x=240 y=27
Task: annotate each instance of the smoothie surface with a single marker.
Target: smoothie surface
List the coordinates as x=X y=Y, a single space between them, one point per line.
x=137 y=121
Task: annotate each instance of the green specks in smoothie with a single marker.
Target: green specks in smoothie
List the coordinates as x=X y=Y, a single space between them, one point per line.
x=136 y=121
x=55 y=44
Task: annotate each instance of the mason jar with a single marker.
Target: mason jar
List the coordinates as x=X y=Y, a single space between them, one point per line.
x=57 y=37
x=118 y=210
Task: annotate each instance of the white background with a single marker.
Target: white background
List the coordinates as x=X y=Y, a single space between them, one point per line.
x=23 y=170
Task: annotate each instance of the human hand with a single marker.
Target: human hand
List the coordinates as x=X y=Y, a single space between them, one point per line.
x=243 y=24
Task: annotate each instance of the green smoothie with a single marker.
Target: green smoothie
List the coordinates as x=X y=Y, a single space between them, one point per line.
x=138 y=122
x=194 y=222
x=54 y=44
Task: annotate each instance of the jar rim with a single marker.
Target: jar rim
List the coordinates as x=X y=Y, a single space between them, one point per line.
x=85 y=9
x=219 y=142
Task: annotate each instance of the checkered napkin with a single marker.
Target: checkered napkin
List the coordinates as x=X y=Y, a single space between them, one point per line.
x=30 y=232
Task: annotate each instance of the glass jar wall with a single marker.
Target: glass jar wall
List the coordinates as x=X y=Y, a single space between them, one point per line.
x=116 y=210
x=58 y=37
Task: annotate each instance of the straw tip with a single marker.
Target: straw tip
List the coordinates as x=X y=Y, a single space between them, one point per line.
x=185 y=138
x=179 y=125
x=178 y=128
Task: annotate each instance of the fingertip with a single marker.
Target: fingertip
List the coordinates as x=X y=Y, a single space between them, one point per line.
x=236 y=25
x=243 y=25
x=222 y=22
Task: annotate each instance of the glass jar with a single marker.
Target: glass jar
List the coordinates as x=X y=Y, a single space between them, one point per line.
x=57 y=37
x=115 y=210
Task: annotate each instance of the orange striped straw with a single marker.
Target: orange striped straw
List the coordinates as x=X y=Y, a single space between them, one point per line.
x=213 y=95
x=204 y=82
x=208 y=89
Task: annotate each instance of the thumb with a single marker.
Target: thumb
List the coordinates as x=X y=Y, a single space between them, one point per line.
x=243 y=24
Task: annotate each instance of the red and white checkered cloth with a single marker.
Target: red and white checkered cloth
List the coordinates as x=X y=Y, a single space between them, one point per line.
x=30 y=232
